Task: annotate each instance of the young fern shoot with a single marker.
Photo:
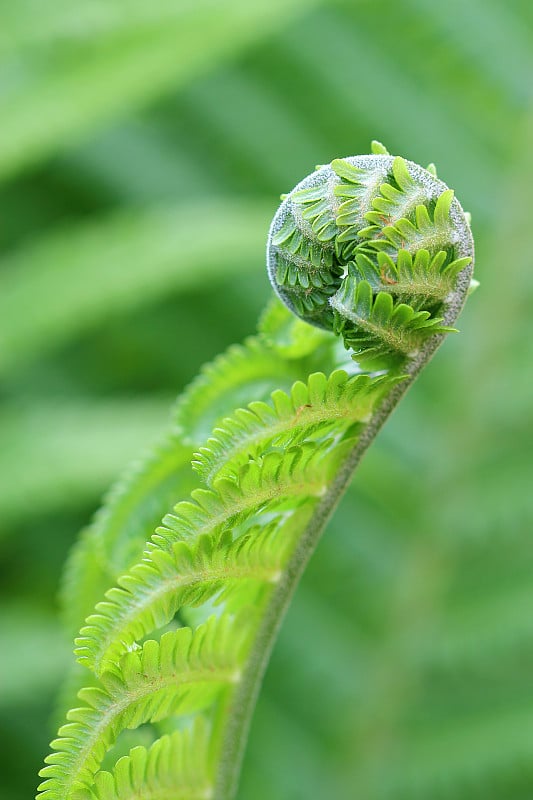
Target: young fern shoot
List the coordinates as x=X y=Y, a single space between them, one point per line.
x=374 y=255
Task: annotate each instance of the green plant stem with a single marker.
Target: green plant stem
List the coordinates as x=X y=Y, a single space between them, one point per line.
x=236 y=715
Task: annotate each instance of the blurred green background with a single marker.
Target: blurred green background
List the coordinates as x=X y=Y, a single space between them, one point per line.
x=143 y=148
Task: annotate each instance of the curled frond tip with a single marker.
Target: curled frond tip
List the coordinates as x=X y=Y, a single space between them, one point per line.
x=374 y=248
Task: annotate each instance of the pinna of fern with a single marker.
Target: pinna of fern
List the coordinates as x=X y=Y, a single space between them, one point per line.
x=373 y=251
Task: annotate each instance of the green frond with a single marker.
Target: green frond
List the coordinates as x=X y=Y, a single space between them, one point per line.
x=313 y=410
x=116 y=538
x=306 y=265
x=180 y=674
x=426 y=230
x=86 y=576
x=277 y=478
x=193 y=557
x=355 y=193
x=244 y=371
x=176 y=765
x=377 y=148
x=186 y=575
x=397 y=199
x=376 y=328
x=289 y=336
x=419 y=280
x=148 y=489
x=314 y=215
x=302 y=228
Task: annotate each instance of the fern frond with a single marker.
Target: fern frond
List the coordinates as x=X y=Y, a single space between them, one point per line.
x=180 y=674
x=356 y=191
x=175 y=572
x=397 y=199
x=432 y=231
x=188 y=574
x=244 y=371
x=134 y=507
x=374 y=327
x=116 y=538
x=422 y=280
x=321 y=407
x=176 y=766
x=300 y=472
x=290 y=337
x=147 y=490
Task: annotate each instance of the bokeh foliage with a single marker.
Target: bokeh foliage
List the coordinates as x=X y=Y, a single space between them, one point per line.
x=142 y=150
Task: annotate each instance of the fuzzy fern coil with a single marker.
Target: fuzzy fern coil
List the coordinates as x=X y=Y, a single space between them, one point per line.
x=375 y=253
x=371 y=247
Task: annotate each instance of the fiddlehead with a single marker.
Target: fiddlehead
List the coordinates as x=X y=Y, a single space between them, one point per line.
x=371 y=247
x=371 y=250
